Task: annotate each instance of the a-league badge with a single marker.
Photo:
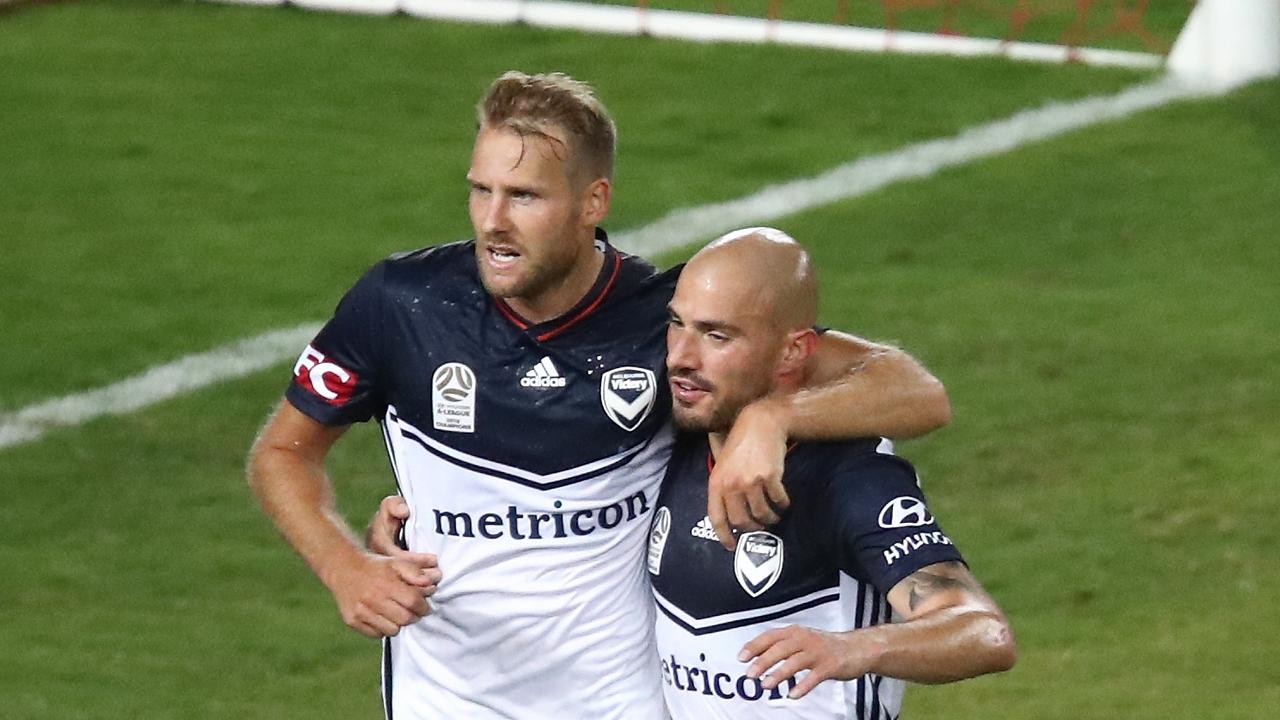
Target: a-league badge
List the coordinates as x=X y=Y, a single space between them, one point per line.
x=453 y=398
x=627 y=394
x=757 y=563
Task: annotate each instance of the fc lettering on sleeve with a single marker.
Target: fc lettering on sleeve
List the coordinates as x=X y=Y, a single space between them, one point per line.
x=330 y=381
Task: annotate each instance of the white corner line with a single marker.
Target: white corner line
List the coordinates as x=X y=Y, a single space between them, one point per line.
x=157 y=384
x=707 y=27
x=676 y=229
x=921 y=160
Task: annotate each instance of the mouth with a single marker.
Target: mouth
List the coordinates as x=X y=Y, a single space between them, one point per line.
x=688 y=390
x=501 y=257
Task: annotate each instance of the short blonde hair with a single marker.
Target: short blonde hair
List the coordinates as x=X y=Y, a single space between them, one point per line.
x=530 y=104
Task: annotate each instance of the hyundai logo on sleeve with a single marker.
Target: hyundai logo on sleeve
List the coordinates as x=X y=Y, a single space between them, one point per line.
x=905 y=511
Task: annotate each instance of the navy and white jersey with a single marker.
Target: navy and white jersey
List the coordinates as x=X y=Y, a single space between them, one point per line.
x=531 y=457
x=857 y=525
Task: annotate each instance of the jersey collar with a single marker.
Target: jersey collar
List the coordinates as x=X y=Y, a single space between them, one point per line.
x=605 y=281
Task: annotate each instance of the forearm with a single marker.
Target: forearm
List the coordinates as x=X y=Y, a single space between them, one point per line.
x=946 y=645
x=298 y=497
x=889 y=394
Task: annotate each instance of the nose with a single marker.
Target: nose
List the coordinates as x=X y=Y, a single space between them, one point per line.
x=681 y=353
x=494 y=215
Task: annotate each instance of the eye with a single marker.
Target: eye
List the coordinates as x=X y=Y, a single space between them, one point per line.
x=718 y=337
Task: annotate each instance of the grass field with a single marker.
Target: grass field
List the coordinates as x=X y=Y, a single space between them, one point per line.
x=177 y=176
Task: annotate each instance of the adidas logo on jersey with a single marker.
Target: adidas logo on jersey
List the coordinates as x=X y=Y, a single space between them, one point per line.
x=543 y=375
x=704 y=530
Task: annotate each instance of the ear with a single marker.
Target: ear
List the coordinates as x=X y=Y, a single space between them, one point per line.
x=796 y=351
x=595 y=201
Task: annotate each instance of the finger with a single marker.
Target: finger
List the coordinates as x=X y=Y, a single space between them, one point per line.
x=394 y=506
x=760 y=643
x=381 y=625
x=397 y=609
x=740 y=513
x=381 y=535
x=792 y=665
x=422 y=560
x=719 y=519
x=778 y=494
x=364 y=629
x=761 y=511
x=416 y=575
x=407 y=598
x=416 y=604
x=806 y=684
x=399 y=508
x=781 y=650
x=432 y=578
x=414 y=598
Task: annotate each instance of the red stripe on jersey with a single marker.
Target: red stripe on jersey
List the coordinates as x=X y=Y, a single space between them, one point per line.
x=511 y=314
x=617 y=267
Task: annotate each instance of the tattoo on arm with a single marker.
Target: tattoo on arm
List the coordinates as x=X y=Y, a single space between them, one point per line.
x=924 y=584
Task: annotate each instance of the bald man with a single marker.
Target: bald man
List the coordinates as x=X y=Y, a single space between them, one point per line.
x=856 y=585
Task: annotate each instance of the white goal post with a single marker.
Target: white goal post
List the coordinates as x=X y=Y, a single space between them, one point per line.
x=1228 y=42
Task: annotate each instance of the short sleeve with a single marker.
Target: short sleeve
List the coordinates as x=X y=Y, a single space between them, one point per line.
x=337 y=378
x=883 y=529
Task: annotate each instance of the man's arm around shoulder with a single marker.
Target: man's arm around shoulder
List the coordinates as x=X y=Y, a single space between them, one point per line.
x=857 y=388
x=852 y=388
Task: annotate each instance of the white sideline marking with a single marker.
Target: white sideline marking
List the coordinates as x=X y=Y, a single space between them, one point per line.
x=676 y=229
x=157 y=384
x=705 y=27
x=867 y=174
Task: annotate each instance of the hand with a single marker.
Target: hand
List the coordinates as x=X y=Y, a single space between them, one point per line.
x=825 y=655
x=385 y=527
x=746 y=483
x=379 y=595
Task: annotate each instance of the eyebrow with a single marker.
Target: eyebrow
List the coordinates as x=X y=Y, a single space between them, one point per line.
x=509 y=189
x=707 y=325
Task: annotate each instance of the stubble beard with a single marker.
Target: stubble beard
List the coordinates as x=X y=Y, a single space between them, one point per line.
x=529 y=282
x=719 y=420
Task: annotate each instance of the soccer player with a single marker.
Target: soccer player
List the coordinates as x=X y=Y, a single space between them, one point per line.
x=518 y=379
x=754 y=633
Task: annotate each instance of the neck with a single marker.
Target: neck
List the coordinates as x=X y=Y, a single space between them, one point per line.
x=716 y=441
x=556 y=300
x=784 y=387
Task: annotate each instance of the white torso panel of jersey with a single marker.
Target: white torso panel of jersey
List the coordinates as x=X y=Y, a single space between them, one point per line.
x=545 y=608
x=703 y=679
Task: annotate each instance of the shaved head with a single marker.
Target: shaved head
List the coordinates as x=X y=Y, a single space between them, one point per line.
x=772 y=269
x=741 y=326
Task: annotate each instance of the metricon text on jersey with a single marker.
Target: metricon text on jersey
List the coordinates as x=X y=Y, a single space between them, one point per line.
x=724 y=686
x=523 y=525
